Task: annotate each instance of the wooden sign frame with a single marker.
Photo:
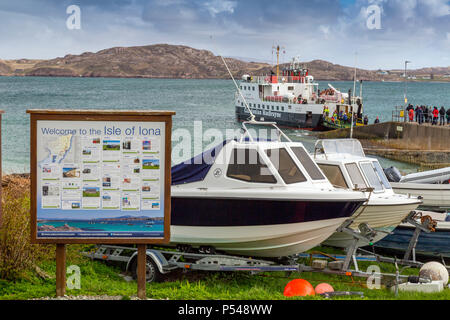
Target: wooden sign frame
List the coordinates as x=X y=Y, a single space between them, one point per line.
x=101 y=115
x=1 y=174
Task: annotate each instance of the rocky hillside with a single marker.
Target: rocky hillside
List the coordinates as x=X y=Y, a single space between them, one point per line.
x=171 y=61
x=156 y=61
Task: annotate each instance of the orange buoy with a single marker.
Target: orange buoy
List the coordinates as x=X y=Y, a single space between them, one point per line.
x=324 y=288
x=298 y=288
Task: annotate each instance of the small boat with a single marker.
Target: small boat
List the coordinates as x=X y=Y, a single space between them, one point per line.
x=438 y=176
x=256 y=198
x=433 y=244
x=346 y=166
x=332 y=123
x=432 y=186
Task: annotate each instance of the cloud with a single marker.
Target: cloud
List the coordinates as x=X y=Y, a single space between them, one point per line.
x=216 y=7
x=315 y=29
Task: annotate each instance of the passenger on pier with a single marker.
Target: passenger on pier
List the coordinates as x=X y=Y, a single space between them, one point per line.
x=419 y=115
x=345 y=117
x=425 y=113
x=430 y=115
x=366 y=120
x=377 y=120
x=411 y=114
x=448 y=116
x=435 y=115
x=416 y=111
x=442 y=116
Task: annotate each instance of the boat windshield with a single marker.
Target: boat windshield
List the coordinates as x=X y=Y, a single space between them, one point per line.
x=286 y=167
x=247 y=165
x=355 y=176
x=334 y=175
x=381 y=175
x=371 y=175
x=308 y=163
x=343 y=146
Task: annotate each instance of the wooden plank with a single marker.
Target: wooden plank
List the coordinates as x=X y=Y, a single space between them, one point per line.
x=1 y=174
x=60 y=270
x=141 y=271
x=101 y=112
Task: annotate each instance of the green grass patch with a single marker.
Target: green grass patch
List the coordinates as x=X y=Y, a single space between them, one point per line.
x=99 y=278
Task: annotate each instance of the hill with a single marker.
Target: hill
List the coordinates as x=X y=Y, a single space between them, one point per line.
x=174 y=61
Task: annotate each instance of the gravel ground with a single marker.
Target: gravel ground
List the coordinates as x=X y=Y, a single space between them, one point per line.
x=103 y=297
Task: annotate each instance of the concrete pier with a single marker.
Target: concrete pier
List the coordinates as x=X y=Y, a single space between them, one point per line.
x=424 y=145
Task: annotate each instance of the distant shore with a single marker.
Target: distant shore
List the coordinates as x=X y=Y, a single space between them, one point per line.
x=207 y=78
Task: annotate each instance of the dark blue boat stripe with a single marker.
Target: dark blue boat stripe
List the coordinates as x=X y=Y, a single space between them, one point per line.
x=245 y=212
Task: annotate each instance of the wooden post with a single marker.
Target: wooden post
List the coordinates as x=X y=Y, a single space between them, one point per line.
x=1 y=175
x=141 y=271
x=60 y=270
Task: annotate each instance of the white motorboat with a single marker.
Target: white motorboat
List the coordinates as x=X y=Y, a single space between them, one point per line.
x=432 y=186
x=256 y=198
x=433 y=195
x=438 y=176
x=346 y=166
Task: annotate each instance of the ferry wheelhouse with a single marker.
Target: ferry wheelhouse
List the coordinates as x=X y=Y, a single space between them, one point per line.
x=292 y=98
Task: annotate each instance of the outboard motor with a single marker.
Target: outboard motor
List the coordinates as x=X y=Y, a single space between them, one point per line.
x=393 y=174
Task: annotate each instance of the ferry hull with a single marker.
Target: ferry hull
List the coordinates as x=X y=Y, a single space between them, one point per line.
x=284 y=119
x=260 y=228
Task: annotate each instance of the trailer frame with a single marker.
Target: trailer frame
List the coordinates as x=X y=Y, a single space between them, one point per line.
x=162 y=261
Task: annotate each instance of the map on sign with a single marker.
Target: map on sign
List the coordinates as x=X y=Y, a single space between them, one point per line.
x=63 y=148
x=100 y=179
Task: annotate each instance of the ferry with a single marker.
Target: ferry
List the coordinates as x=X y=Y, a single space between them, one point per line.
x=292 y=99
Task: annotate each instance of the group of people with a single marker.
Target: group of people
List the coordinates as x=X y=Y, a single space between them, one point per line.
x=343 y=116
x=425 y=114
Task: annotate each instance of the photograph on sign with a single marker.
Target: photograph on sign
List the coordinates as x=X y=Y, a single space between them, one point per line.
x=100 y=179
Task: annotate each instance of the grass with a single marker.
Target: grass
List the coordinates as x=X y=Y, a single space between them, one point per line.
x=98 y=278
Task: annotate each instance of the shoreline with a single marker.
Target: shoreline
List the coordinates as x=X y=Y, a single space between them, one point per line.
x=204 y=78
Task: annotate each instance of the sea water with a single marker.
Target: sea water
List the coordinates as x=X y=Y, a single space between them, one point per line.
x=208 y=101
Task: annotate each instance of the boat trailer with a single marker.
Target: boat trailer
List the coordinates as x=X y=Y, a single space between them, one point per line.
x=162 y=261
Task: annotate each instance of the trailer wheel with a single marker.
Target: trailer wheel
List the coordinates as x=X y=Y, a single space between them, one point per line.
x=151 y=270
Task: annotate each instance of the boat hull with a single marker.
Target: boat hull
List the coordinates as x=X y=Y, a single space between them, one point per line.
x=258 y=241
x=434 y=195
x=429 y=244
x=382 y=218
x=256 y=227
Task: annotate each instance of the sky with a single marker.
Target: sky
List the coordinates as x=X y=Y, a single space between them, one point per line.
x=371 y=33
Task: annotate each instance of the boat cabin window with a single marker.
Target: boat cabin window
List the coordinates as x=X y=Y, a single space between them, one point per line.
x=381 y=175
x=371 y=175
x=308 y=163
x=355 y=176
x=334 y=175
x=286 y=167
x=247 y=165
